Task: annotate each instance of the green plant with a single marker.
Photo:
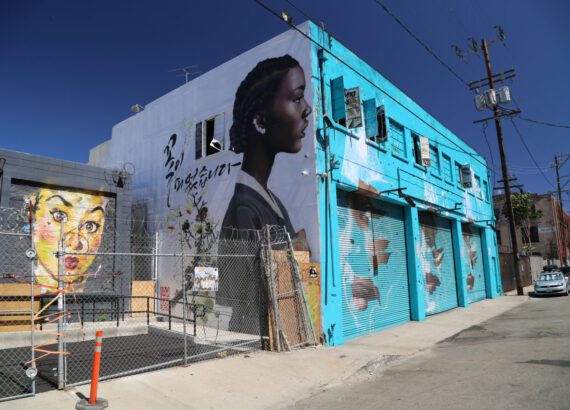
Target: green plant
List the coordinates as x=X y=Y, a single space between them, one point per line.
x=524 y=213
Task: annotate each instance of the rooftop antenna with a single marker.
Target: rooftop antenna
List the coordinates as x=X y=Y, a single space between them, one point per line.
x=185 y=72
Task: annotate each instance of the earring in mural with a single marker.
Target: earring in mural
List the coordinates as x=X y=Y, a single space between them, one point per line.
x=258 y=127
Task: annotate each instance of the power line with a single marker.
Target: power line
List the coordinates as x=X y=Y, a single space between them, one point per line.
x=485 y=125
x=421 y=43
x=530 y=154
x=475 y=156
x=549 y=124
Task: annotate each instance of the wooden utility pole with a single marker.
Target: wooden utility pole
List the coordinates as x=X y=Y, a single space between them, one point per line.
x=506 y=181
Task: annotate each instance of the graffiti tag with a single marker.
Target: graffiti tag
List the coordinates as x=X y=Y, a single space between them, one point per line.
x=198 y=177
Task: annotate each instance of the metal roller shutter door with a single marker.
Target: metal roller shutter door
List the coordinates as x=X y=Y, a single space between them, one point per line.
x=375 y=292
x=440 y=287
x=473 y=261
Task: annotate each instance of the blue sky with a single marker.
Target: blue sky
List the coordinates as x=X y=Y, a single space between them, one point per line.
x=70 y=70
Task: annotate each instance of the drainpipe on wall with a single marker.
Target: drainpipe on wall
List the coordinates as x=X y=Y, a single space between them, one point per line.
x=328 y=171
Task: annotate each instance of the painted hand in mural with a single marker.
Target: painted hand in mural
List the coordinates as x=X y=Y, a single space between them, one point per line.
x=471 y=256
x=363 y=291
x=432 y=282
x=470 y=281
x=83 y=218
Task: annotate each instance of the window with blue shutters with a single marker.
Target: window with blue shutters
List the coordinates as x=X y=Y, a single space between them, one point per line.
x=398 y=139
x=486 y=191
x=375 y=122
x=458 y=175
x=338 y=101
x=478 y=190
x=417 y=149
x=370 y=119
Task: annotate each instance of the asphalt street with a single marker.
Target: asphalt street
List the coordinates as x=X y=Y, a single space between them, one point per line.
x=518 y=360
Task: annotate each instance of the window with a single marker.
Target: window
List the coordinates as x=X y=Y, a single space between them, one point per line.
x=458 y=174
x=398 y=139
x=534 y=234
x=417 y=151
x=382 y=129
x=199 y=140
x=447 y=173
x=478 y=191
x=485 y=191
x=209 y=136
x=209 y=124
x=375 y=121
x=434 y=157
x=498 y=232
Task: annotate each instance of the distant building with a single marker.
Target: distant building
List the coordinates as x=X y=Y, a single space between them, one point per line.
x=393 y=207
x=549 y=235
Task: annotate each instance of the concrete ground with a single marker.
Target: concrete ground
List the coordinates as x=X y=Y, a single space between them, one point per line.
x=518 y=360
x=265 y=380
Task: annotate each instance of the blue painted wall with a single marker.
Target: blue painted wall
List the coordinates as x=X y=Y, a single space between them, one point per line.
x=348 y=160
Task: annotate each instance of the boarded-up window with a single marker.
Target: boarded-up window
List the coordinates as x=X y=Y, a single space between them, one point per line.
x=353 y=109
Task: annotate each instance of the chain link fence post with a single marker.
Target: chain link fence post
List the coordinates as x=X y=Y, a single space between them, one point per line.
x=60 y=311
x=184 y=304
x=33 y=256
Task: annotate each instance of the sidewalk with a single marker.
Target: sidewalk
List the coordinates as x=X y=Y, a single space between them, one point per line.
x=265 y=380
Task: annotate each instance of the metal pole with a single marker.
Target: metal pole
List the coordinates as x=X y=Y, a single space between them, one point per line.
x=60 y=364
x=184 y=307
x=511 y=216
x=33 y=287
x=155 y=272
x=561 y=227
x=272 y=291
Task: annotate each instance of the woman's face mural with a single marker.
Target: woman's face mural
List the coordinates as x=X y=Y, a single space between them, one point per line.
x=287 y=119
x=83 y=217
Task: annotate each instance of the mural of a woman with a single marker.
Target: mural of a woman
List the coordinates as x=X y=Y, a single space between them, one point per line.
x=83 y=219
x=270 y=116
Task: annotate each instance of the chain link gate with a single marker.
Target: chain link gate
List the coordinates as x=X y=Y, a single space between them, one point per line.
x=17 y=305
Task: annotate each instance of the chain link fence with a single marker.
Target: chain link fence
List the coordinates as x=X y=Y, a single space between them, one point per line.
x=17 y=305
x=162 y=300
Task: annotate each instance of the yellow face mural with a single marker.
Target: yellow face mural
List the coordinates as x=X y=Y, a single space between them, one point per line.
x=83 y=217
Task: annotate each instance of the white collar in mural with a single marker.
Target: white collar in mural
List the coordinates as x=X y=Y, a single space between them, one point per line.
x=246 y=179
